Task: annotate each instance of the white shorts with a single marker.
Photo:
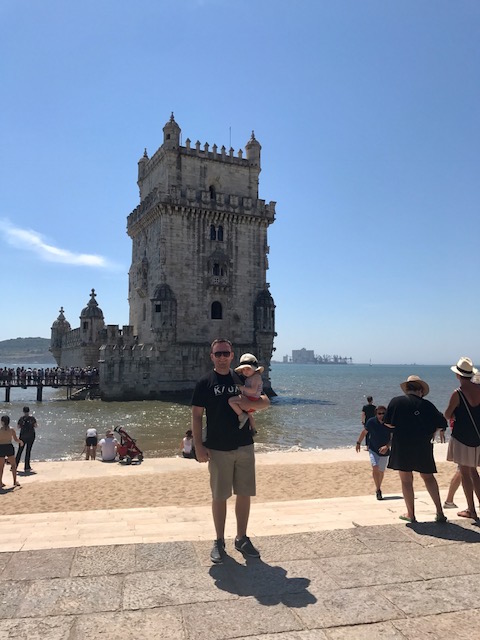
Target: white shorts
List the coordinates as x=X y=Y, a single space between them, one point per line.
x=377 y=460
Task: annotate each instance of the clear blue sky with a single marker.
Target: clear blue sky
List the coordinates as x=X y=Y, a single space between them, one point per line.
x=369 y=120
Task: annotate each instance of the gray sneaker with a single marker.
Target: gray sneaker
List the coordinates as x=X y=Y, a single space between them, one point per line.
x=218 y=551
x=245 y=546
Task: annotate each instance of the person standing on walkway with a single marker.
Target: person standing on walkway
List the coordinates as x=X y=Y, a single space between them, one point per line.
x=368 y=411
x=7 y=434
x=27 y=425
x=378 y=446
x=414 y=421
x=228 y=450
x=464 y=445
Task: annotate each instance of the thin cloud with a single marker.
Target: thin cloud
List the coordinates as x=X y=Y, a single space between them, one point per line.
x=30 y=240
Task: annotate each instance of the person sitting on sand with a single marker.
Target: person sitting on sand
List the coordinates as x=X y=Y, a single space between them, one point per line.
x=378 y=446
x=108 y=447
x=250 y=392
x=464 y=445
x=188 y=450
x=7 y=450
x=414 y=421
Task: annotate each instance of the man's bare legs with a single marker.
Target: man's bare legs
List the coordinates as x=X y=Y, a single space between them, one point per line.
x=219 y=512
x=377 y=477
x=242 y=513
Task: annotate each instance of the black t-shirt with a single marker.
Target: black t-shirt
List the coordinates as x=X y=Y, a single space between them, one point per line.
x=27 y=427
x=414 y=418
x=212 y=392
x=369 y=411
x=379 y=435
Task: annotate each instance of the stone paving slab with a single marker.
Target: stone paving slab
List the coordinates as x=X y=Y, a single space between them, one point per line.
x=388 y=582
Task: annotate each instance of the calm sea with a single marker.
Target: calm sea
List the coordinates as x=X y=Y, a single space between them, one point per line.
x=317 y=406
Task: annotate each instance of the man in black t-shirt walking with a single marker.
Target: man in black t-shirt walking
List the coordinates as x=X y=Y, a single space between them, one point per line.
x=27 y=425
x=228 y=450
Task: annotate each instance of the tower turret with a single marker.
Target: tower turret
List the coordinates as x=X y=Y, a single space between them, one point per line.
x=59 y=329
x=91 y=320
x=253 y=148
x=141 y=166
x=171 y=134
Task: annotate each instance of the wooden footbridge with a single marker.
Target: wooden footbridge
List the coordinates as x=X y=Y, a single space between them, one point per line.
x=75 y=390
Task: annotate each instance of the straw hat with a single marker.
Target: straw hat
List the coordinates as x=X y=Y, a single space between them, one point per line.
x=464 y=368
x=418 y=380
x=249 y=361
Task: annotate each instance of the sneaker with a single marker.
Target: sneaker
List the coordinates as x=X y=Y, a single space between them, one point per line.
x=449 y=505
x=242 y=420
x=379 y=495
x=218 y=551
x=245 y=546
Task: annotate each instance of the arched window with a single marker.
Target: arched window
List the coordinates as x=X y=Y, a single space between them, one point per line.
x=216 y=269
x=213 y=233
x=220 y=234
x=213 y=193
x=216 y=310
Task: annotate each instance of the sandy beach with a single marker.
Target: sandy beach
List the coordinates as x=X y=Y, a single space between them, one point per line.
x=161 y=482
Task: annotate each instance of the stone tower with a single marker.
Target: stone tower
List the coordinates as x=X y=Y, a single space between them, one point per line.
x=198 y=271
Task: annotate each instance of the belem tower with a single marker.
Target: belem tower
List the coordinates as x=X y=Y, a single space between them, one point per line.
x=198 y=271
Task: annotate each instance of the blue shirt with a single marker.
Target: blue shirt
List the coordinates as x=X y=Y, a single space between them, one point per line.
x=379 y=435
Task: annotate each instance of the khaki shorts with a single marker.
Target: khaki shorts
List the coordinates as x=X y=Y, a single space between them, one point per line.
x=232 y=469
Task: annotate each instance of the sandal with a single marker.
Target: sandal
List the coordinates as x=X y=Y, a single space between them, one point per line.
x=407 y=519
x=466 y=513
x=440 y=517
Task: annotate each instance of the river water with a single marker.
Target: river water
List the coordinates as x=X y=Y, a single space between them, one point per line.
x=317 y=406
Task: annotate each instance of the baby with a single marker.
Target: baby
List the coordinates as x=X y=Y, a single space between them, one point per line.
x=250 y=391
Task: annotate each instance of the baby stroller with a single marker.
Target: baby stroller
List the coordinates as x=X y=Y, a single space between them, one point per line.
x=127 y=449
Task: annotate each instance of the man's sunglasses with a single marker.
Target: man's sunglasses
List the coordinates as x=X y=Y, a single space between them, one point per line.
x=225 y=354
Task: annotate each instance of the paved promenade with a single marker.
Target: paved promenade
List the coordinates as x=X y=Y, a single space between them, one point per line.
x=330 y=569
x=386 y=581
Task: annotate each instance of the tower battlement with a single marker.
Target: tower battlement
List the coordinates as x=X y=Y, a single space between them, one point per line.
x=194 y=201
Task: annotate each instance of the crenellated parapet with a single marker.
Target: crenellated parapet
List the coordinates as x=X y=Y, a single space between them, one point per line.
x=196 y=201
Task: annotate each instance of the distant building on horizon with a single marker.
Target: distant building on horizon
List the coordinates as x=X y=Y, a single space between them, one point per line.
x=198 y=271
x=303 y=356
x=306 y=356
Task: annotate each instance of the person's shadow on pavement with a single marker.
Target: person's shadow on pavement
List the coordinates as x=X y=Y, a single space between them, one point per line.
x=447 y=531
x=268 y=584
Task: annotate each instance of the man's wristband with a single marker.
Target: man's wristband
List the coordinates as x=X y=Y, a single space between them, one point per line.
x=359 y=443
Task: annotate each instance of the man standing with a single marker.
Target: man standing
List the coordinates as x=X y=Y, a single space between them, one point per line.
x=368 y=411
x=228 y=450
x=27 y=425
